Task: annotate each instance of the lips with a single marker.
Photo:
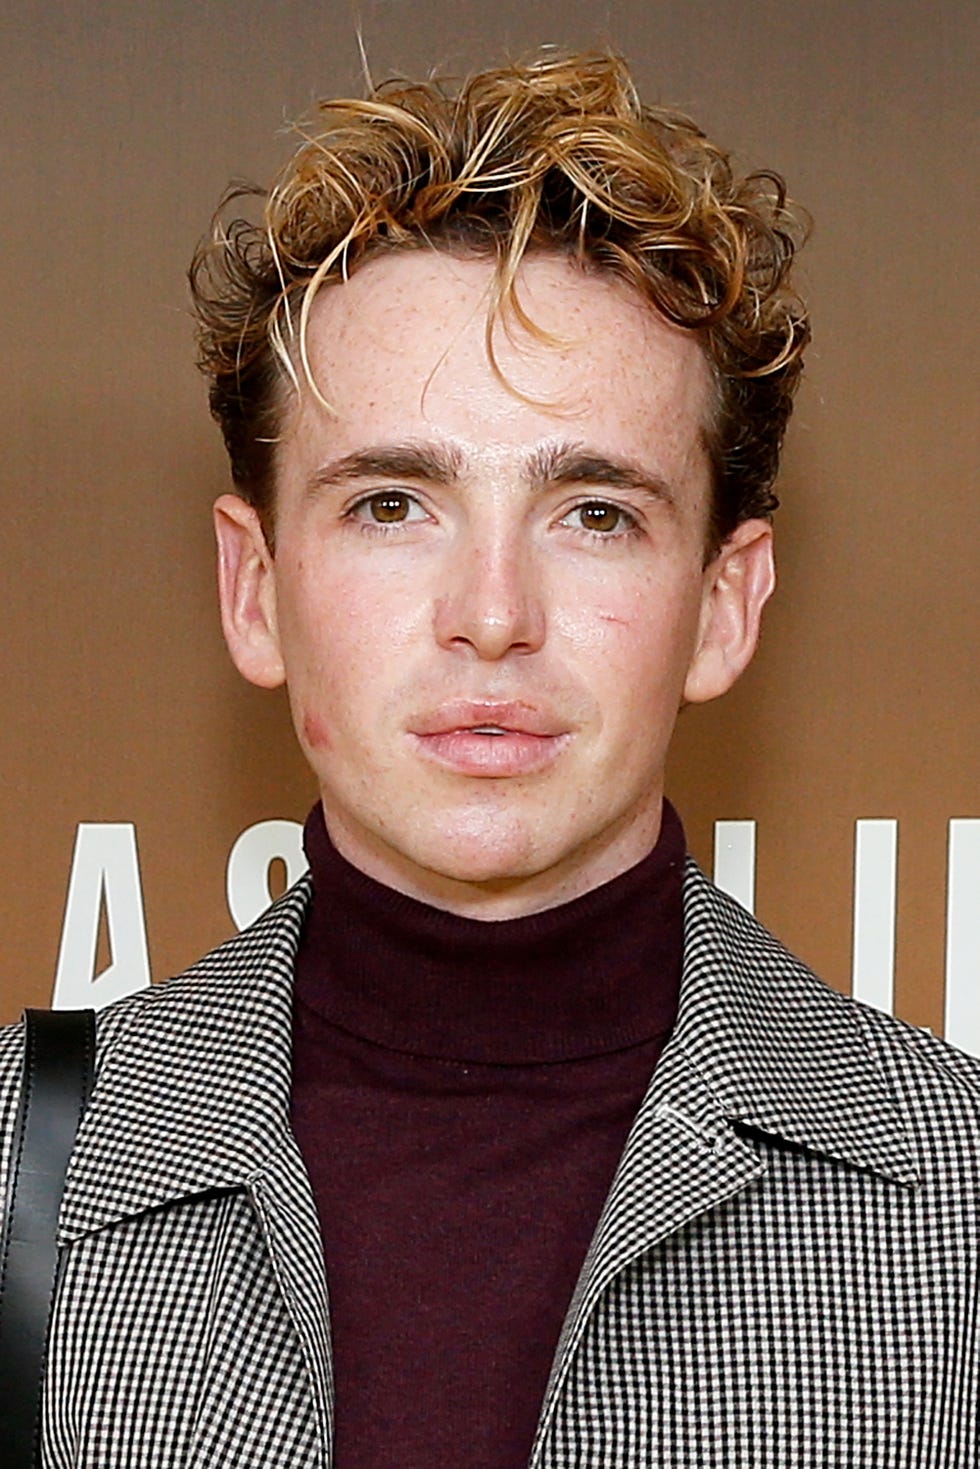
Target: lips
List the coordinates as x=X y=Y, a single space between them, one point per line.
x=490 y=739
x=512 y=718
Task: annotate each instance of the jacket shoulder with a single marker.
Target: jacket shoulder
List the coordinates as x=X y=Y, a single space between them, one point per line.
x=108 y=1023
x=791 y=1056
x=223 y=993
x=918 y=1055
x=728 y=933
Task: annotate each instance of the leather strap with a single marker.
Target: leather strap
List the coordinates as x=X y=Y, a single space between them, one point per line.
x=59 y=1054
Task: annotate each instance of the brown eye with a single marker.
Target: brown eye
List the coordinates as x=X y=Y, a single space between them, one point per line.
x=388 y=508
x=599 y=516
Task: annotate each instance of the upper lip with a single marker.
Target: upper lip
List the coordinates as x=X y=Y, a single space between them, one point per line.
x=515 y=717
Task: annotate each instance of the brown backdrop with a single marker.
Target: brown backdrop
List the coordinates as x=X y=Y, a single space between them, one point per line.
x=122 y=125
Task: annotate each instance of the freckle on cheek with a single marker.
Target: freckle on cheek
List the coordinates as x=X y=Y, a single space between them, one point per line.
x=316 y=732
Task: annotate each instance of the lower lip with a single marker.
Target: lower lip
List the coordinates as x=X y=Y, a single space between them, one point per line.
x=511 y=753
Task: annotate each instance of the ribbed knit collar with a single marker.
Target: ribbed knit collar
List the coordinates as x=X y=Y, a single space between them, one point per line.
x=590 y=976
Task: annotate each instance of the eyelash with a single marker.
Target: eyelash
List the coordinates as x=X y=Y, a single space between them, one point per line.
x=629 y=522
x=381 y=527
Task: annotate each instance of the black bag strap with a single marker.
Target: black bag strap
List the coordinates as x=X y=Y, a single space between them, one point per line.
x=59 y=1056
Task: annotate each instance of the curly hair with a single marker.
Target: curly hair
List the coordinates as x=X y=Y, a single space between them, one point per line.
x=558 y=154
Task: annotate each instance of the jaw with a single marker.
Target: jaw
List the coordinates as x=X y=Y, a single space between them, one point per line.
x=497 y=852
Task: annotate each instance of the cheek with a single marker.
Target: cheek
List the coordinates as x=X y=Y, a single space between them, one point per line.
x=342 y=647
x=322 y=617
x=599 y=626
x=313 y=641
x=639 y=631
x=316 y=731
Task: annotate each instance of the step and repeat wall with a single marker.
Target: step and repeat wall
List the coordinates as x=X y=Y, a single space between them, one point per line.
x=150 y=801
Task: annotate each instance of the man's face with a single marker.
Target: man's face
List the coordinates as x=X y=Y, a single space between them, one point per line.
x=488 y=597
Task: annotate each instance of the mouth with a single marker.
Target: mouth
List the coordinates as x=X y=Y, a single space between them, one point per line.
x=496 y=741
x=489 y=717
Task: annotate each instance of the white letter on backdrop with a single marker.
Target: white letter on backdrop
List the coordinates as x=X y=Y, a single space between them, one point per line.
x=247 y=878
x=875 y=878
x=963 y=935
x=735 y=861
x=104 y=870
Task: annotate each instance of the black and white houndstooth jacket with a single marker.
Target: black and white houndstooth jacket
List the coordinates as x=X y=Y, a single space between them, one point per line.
x=785 y=1272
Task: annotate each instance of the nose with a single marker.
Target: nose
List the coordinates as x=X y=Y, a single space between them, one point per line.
x=492 y=601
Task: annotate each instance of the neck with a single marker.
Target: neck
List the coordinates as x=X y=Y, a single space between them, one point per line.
x=593 y=975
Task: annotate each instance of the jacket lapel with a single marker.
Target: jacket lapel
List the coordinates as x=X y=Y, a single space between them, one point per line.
x=286 y=1212
x=760 y=1046
x=192 y=1090
x=681 y=1159
x=192 y=1095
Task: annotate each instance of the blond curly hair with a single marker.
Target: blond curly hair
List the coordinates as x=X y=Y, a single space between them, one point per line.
x=557 y=154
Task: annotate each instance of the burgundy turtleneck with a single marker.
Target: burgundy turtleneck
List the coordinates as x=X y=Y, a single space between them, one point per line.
x=462 y=1091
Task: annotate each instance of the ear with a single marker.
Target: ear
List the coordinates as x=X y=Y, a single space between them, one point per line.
x=737 y=585
x=247 y=593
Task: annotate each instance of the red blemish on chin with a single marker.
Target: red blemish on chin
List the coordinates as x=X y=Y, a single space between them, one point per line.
x=316 y=732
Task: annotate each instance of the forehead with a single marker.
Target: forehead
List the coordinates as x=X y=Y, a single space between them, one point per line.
x=401 y=351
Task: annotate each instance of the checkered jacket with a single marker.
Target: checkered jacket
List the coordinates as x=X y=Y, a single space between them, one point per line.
x=785 y=1272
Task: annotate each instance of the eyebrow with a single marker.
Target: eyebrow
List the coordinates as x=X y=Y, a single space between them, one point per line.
x=574 y=464
x=550 y=465
x=430 y=462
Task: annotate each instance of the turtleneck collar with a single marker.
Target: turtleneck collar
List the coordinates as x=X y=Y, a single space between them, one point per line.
x=591 y=976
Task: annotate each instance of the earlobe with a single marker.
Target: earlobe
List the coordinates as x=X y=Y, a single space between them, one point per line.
x=247 y=593
x=737 y=585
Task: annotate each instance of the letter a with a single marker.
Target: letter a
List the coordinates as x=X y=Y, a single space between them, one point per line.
x=104 y=869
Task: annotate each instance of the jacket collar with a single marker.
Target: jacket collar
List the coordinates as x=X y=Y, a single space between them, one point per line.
x=778 y=1050
x=192 y=1086
x=193 y=1091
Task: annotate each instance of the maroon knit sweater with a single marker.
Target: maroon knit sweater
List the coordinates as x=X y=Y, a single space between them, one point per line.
x=462 y=1091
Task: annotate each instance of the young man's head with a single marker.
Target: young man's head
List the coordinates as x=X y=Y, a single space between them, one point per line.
x=503 y=377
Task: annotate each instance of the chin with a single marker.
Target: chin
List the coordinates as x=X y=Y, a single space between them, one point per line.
x=482 y=863
x=485 y=847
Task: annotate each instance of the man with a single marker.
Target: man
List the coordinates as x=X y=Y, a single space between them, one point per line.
x=593 y=1171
